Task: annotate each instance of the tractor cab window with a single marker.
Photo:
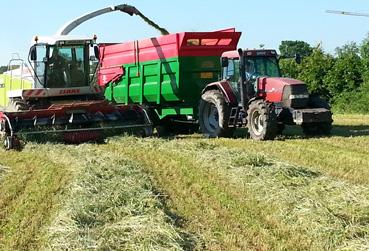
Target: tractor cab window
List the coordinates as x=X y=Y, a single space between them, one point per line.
x=232 y=71
x=262 y=66
x=66 y=67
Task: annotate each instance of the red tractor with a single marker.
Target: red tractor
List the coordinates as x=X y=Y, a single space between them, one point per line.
x=252 y=93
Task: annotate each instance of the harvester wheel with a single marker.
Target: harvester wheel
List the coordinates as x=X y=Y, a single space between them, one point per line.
x=11 y=142
x=213 y=115
x=261 y=121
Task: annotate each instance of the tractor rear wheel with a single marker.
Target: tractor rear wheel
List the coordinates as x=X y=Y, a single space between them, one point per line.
x=261 y=121
x=214 y=114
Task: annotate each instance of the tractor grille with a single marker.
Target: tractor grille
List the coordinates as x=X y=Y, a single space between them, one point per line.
x=295 y=96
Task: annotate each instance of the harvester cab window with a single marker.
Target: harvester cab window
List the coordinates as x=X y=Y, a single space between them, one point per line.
x=39 y=66
x=66 y=67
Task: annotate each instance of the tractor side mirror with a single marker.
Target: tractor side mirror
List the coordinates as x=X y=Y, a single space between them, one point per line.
x=224 y=62
x=33 y=53
x=96 y=52
x=298 y=58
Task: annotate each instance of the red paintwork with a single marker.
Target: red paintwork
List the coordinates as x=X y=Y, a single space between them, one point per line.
x=225 y=88
x=80 y=137
x=60 y=110
x=272 y=88
x=113 y=56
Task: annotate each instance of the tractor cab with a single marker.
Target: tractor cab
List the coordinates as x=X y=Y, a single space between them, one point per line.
x=257 y=63
x=63 y=62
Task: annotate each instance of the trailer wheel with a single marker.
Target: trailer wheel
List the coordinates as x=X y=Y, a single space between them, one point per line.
x=213 y=115
x=261 y=121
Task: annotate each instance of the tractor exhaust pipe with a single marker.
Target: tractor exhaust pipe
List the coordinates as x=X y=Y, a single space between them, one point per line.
x=243 y=81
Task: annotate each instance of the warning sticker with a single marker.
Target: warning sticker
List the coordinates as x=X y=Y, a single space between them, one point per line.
x=206 y=75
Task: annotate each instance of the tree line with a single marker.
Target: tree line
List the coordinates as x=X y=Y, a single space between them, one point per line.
x=341 y=78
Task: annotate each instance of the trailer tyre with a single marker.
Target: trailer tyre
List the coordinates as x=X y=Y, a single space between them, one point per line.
x=261 y=121
x=213 y=115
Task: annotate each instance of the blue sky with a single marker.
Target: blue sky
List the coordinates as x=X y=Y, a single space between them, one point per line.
x=262 y=22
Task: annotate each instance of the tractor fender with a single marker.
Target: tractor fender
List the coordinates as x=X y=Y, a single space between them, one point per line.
x=225 y=88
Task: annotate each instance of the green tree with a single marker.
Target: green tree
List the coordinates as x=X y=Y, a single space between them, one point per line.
x=289 y=49
x=364 y=54
x=313 y=71
x=289 y=68
x=3 y=69
x=346 y=73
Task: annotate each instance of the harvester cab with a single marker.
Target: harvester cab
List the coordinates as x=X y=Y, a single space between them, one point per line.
x=64 y=65
x=60 y=66
x=252 y=93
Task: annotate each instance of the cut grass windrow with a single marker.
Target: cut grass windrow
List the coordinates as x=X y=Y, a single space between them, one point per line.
x=112 y=206
x=80 y=198
x=235 y=200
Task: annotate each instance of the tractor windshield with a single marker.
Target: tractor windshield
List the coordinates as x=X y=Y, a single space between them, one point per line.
x=262 y=66
x=67 y=67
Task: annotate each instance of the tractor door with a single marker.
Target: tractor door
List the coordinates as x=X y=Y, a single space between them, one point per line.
x=231 y=73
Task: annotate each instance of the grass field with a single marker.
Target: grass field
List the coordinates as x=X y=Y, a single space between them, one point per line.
x=190 y=193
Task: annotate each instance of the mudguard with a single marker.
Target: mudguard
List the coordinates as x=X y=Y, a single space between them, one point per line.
x=226 y=89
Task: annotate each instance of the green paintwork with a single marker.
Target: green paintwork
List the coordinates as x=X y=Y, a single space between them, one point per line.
x=172 y=86
x=8 y=84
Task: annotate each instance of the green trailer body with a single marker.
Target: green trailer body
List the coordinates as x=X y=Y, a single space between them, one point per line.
x=166 y=73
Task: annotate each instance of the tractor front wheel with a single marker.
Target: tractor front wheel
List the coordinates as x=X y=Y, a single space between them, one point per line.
x=214 y=114
x=261 y=121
